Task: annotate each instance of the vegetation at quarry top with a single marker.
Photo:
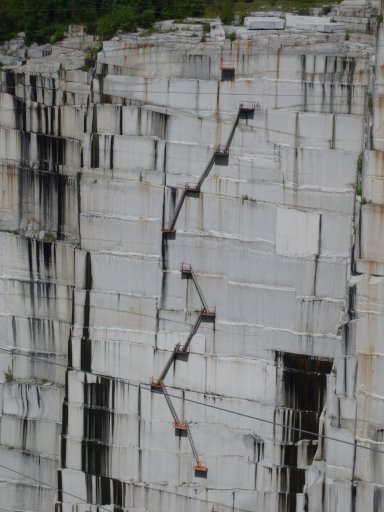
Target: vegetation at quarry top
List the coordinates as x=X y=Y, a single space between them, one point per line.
x=46 y=20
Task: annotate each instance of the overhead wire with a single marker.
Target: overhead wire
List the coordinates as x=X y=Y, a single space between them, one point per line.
x=188 y=327
x=199 y=113
x=250 y=127
x=146 y=386
x=135 y=484
x=307 y=104
x=148 y=91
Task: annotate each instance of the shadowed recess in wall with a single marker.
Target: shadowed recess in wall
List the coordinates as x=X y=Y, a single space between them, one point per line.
x=50 y=152
x=303 y=388
x=98 y=418
x=98 y=425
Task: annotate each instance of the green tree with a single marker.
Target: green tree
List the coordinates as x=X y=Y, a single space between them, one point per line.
x=227 y=11
x=45 y=20
x=9 y=19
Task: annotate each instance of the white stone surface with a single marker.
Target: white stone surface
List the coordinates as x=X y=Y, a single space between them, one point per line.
x=264 y=23
x=91 y=171
x=217 y=31
x=297 y=233
x=319 y=24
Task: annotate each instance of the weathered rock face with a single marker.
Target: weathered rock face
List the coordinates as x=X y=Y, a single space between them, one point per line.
x=207 y=216
x=40 y=159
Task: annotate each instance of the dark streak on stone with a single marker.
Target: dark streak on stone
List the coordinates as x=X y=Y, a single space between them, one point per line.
x=78 y=183
x=53 y=89
x=111 y=151
x=14 y=330
x=61 y=193
x=32 y=81
x=52 y=124
x=94 y=119
x=164 y=260
x=351 y=302
x=155 y=156
x=59 y=121
x=50 y=152
x=304 y=385
x=10 y=87
x=31 y=284
x=25 y=144
x=46 y=120
x=317 y=257
x=88 y=486
x=107 y=491
x=20 y=114
x=47 y=253
x=85 y=341
x=353 y=489
x=37 y=251
x=94 y=150
x=139 y=121
x=58 y=507
x=98 y=416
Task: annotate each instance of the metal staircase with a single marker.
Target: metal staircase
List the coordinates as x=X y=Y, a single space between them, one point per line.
x=194 y=329
x=182 y=426
x=158 y=384
x=205 y=313
x=187 y=271
x=178 y=425
x=219 y=152
x=169 y=363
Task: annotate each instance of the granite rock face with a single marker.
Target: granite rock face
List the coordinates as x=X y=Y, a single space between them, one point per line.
x=205 y=217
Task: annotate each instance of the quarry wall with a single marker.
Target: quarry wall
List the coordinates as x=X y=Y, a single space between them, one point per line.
x=148 y=203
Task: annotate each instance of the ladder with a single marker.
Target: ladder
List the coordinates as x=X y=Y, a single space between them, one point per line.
x=156 y=383
x=232 y=133
x=199 y=292
x=205 y=172
x=187 y=342
x=244 y=109
x=178 y=425
x=183 y=427
x=192 y=189
x=219 y=151
x=175 y=215
x=169 y=363
x=186 y=270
